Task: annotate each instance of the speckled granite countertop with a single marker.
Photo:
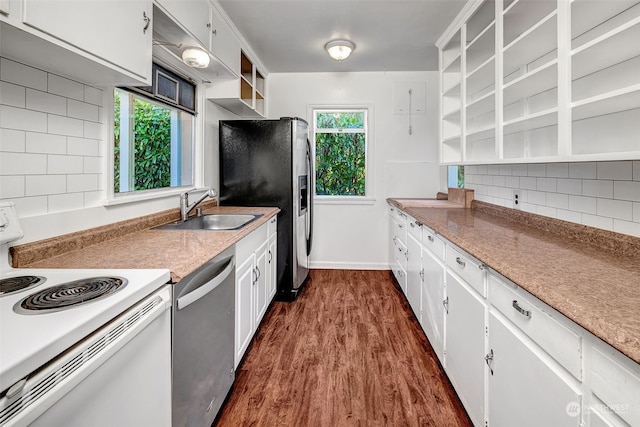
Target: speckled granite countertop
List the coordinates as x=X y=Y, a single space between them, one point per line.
x=133 y=244
x=591 y=276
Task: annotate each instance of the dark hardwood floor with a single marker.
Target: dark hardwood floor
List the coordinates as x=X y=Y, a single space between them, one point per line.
x=347 y=352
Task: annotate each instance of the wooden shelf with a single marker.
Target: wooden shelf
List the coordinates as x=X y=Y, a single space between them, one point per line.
x=531 y=45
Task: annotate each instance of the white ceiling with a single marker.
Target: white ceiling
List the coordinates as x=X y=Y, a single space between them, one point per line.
x=392 y=35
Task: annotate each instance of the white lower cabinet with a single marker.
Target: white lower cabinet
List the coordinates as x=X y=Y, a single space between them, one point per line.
x=525 y=387
x=465 y=346
x=272 y=275
x=433 y=289
x=414 y=274
x=252 y=287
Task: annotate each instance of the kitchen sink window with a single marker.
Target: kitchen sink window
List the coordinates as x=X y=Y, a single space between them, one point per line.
x=341 y=152
x=154 y=134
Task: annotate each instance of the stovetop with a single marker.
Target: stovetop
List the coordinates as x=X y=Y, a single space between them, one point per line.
x=31 y=338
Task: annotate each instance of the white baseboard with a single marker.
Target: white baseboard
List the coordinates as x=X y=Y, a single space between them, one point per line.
x=333 y=265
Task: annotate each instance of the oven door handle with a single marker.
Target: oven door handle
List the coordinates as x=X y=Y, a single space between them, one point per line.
x=209 y=286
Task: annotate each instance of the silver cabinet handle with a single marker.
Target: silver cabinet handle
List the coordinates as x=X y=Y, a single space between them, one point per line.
x=488 y=359
x=147 y=21
x=430 y=238
x=259 y=273
x=400 y=249
x=460 y=262
x=406 y=254
x=446 y=304
x=482 y=266
x=255 y=275
x=399 y=225
x=270 y=257
x=422 y=274
x=525 y=313
x=412 y=225
x=418 y=223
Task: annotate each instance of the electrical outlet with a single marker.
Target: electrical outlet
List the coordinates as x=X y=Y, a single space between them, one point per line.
x=516 y=199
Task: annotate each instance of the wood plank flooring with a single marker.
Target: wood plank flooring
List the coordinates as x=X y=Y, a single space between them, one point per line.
x=347 y=352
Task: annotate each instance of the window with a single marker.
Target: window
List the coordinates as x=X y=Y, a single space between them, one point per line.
x=340 y=151
x=455 y=176
x=154 y=134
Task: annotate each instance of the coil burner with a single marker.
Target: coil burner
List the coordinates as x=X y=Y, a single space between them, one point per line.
x=67 y=295
x=19 y=283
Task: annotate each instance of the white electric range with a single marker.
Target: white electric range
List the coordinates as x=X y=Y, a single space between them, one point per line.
x=93 y=316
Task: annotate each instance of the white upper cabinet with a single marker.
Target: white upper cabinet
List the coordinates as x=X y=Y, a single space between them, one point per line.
x=543 y=80
x=224 y=43
x=97 y=42
x=4 y=7
x=193 y=15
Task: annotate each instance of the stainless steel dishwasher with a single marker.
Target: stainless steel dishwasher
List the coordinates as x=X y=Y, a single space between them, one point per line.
x=202 y=341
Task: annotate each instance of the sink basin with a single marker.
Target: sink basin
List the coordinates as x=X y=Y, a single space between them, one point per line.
x=211 y=222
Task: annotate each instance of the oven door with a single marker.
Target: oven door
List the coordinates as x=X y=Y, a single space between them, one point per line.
x=119 y=375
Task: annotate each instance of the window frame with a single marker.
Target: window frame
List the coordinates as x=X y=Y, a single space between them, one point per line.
x=368 y=109
x=112 y=198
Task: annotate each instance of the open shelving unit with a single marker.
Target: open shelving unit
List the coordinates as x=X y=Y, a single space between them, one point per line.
x=543 y=80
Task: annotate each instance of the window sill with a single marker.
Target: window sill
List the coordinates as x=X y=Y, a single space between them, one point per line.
x=146 y=195
x=343 y=200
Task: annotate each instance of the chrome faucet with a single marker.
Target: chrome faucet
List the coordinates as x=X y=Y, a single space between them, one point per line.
x=185 y=208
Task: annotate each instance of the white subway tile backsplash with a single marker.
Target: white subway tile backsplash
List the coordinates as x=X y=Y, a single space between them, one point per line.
x=536 y=197
x=626 y=190
x=512 y=181
x=65 y=87
x=494 y=192
x=583 y=204
x=23 y=164
x=615 y=170
x=558 y=170
x=499 y=181
x=46 y=102
x=39 y=185
x=597 y=188
x=93 y=130
x=82 y=110
x=82 y=183
x=50 y=141
x=626 y=227
x=583 y=170
x=21 y=119
x=93 y=95
x=557 y=200
x=506 y=170
x=620 y=209
x=65 y=202
x=46 y=143
x=547 y=211
x=64 y=164
x=570 y=186
x=83 y=147
x=493 y=169
x=547 y=184
x=528 y=183
x=636 y=212
x=13 y=95
x=537 y=170
x=519 y=169
x=482 y=169
x=487 y=180
x=598 y=221
x=23 y=75
x=570 y=216
x=12 y=140
x=636 y=170
x=11 y=186
x=60 y=125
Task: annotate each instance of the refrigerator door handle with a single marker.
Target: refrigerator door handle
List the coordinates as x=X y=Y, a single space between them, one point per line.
x=310 y=194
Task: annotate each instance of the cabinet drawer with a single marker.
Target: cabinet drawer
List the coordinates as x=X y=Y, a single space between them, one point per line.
x=616 y=381
x=401 y=276
x=401 y=254
x=467 y=267
x=402 y=227
x=414 y=229
x=273 y=225
x=432 y=242
x=249 y=243
x=526 y=312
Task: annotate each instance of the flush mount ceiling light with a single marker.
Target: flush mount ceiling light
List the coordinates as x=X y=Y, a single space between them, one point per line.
x=339 y=49
x=196 y=58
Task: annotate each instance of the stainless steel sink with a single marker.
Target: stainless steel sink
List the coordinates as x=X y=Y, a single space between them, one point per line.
x=211 y=222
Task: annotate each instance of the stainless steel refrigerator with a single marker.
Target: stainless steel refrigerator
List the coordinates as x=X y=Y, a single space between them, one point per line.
x=268 y=163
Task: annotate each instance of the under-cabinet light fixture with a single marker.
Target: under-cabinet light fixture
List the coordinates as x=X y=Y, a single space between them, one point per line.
x=339 y=49
x=196 y=58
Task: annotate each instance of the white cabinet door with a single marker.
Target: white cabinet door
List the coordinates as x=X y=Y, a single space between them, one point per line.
x=414 y=275
x=4 y=7
x=465 y=347
x=260 y=284
x=116 y=31
x=524 y=389
x=224 y=44
x=193 y=15
x=432 y=302
x=244 y=304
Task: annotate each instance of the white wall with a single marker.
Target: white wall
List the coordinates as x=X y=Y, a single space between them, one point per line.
x=53 y=153
x=355 y=235
x=605 y=195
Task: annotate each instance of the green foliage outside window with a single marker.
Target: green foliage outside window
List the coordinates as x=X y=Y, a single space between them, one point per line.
x=152 y=145
x=341 y=155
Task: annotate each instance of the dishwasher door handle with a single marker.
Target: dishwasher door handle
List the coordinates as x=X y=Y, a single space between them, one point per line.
x=203 y=290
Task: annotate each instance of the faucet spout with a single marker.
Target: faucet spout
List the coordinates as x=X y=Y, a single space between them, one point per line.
x=185 y=207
